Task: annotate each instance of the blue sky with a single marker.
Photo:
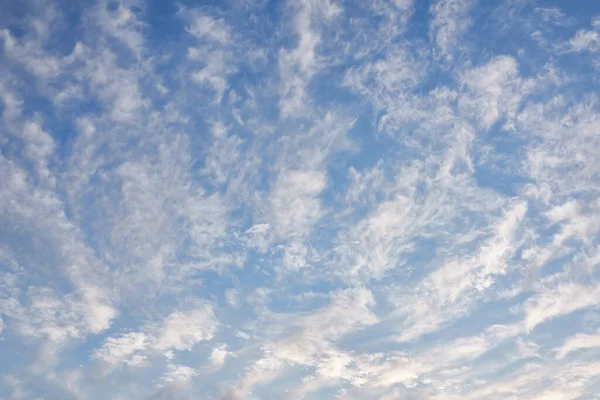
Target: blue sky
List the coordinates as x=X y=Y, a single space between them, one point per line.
x=303 y=199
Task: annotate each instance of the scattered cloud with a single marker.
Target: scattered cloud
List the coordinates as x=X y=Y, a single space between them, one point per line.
x=300 y=199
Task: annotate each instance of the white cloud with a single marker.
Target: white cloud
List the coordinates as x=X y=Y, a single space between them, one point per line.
x=540 y=381
x=451 y=20
x=214 y=51
x=389 y=83
x=30 y=50
x=117 y=88
x=205 y=26
x=219 y=354
x=217 y=67
x=99 y=312
x=495 y=91
x=119 y=20
x=178 y=373
x=310 y=338
x=450 y=291
x=567 y=145
x=558 y=301
x=575 y=224
x=295 y=202
x=224 y=156
x=116 y=350
x=298 y=65
x=365 y=185
x=232 y=297
x=578 y=342
x=181 y=330
x=585 y=40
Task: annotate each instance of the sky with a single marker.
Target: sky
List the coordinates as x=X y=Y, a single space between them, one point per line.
x=299 y=199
